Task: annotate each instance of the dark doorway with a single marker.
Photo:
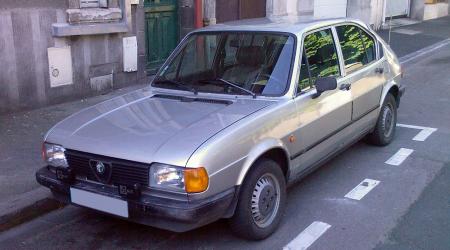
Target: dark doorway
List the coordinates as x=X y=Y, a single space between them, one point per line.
x=229 y=10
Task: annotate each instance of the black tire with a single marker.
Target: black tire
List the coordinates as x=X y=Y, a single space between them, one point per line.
x=385 y=128
x=243 y=223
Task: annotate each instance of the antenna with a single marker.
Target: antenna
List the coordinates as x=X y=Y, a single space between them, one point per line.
x=390 y=28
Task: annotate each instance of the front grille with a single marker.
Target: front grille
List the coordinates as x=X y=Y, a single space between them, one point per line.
x=122 y=171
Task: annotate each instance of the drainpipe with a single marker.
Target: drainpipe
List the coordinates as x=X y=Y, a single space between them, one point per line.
x=198 y=13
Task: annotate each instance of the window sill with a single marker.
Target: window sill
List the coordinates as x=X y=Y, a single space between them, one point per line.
x=93 y=15
x=66 y=29
x=104 y=25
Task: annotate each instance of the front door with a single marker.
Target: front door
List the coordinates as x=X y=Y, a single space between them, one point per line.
x=320 y=118
x=161 y=31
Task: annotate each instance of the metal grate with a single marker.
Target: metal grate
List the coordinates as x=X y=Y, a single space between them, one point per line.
x=123 y=171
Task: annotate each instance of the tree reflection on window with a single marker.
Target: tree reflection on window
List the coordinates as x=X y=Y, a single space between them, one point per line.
x=358 y=48
x=322 y=57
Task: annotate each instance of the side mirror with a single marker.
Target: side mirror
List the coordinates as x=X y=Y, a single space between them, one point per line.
x=324 y=84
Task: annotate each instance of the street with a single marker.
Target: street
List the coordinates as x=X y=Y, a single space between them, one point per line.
x=390 y=210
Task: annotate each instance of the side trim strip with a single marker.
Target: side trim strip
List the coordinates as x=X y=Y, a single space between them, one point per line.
x=332 y=134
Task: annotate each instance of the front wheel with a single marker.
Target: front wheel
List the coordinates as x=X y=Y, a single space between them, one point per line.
x=385 y=128
x=261 y=202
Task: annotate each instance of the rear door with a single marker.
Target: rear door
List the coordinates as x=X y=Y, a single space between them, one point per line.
x=323 y=117
x=363 y=71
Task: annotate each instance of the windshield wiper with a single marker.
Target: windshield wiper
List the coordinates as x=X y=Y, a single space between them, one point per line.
x=160 y=79
x=234 y=85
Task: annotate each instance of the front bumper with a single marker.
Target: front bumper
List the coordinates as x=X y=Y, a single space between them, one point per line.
x=170 y=214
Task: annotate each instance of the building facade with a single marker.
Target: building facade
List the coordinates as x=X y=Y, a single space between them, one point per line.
x=53 y=51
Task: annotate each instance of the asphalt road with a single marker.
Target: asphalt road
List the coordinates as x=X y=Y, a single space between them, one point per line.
x=406 y=210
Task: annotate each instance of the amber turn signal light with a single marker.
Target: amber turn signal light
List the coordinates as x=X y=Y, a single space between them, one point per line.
x=196 y=180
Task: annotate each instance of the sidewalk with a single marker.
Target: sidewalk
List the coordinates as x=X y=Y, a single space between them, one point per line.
x=21 y=135
x=410 y=38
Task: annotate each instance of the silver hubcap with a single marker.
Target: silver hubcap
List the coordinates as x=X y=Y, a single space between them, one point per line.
x=388 y=118
x=265 y=200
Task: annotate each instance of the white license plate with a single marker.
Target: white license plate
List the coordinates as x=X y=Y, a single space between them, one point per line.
x=99 y=202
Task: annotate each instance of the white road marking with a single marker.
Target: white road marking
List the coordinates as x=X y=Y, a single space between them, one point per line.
x=362 y=189
x=407 y=31
x=424 y=51
x=308 y=236
x=399 y=157
x=422 y=135
x=410 y=126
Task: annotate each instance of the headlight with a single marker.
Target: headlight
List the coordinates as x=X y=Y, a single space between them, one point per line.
x=54 y=155
x=191 y=180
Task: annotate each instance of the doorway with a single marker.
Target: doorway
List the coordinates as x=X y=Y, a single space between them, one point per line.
x=161 y=31
x=229 y=10
x=396 y=8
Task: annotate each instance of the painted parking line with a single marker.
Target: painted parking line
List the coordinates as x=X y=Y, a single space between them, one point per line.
x=308 y=236
x=423 y=134
x=362 y=189
x=399 y=157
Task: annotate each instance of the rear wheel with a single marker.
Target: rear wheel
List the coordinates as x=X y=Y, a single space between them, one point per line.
x=385 y=128
x=261 y=202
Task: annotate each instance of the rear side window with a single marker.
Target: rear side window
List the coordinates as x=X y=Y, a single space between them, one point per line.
x=321 y=59
x=369 y=45
x=358 y=47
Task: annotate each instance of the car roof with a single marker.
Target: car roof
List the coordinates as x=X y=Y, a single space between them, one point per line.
x=290 y=24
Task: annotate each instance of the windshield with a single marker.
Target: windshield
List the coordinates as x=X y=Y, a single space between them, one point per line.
x=246 y=63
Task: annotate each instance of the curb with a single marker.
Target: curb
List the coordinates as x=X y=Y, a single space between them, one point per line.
x=26 y=207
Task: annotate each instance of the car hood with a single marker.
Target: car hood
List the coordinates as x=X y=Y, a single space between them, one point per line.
x=145 y=126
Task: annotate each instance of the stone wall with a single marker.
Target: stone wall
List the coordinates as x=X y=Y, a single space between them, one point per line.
x=290 y=7
x=26 y=29
x=369 y=11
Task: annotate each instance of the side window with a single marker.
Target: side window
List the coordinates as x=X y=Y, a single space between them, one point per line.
x=358 y=48
x=369 y=45
x=304 y=82
x=321 y=58
x=380 y=50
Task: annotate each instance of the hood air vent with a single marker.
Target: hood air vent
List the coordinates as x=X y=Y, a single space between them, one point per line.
x=190 y=99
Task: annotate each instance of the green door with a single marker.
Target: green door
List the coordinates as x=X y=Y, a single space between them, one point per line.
x=161 y=31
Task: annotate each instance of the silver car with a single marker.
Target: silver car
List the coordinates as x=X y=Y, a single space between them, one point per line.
x=237 y=112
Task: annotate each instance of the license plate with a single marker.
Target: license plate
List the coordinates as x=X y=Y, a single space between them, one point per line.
x=99 y=202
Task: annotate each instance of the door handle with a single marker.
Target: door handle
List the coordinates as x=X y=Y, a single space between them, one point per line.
x=345 y=86
x=379 y=70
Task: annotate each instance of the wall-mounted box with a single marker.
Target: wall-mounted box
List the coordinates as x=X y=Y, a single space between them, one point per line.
x=60 y=66
x=130 y=54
